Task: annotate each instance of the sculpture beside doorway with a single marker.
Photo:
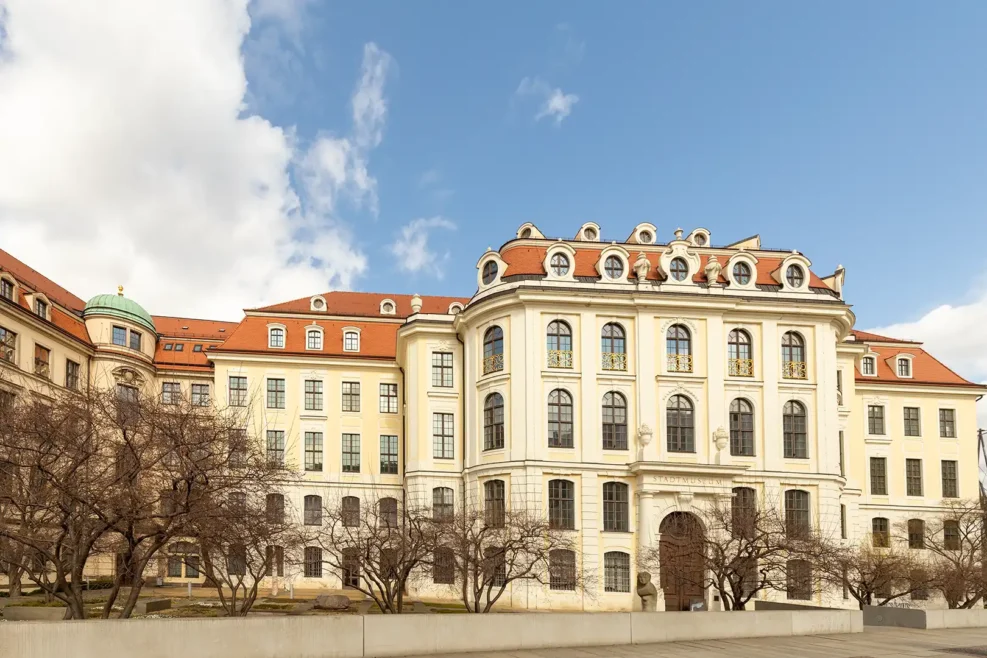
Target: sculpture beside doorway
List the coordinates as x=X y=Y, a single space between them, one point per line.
x=647 y=591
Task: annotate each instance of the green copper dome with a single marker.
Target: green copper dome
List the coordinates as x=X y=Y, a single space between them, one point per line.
x=118 y=306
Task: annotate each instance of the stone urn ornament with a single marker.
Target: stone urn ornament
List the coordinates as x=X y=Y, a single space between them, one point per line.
x=721 y=439
x=647 y=591
x=641 y=267
x=644 y=436
x=713 y=269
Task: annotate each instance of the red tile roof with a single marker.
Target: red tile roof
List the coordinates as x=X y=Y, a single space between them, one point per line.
x=193 y=327
x=188 y=358
x=867 y=337
x=926 y=369
x=38 y=282
x=365 y=304
x=378 y=340
x=524 y=259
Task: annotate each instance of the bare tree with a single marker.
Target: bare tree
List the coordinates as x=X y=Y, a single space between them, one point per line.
x=955 y=540
x=483 y=552
x=875 y=572
x=376 y=543
x=740 y=548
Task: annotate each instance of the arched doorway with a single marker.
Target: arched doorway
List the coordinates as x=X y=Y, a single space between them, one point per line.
x=681 y=561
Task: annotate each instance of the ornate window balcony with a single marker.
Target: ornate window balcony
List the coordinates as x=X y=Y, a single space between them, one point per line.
x=740 y=367
x=679 y=363
x=493 y=363
x=560 y=358
x=794 y=370
x=614 y=361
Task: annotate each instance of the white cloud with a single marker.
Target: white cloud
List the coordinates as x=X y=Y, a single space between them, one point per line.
x=956 y=335
x=554 y=103
x=127 y=157
x=412 y=250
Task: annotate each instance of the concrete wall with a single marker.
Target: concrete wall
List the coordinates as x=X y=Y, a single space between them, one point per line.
x=352 y=636
x=914 y=618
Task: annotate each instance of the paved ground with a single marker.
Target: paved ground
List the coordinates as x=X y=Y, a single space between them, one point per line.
x=872 y=643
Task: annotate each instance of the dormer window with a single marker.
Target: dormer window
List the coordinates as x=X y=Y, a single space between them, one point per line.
x=700 y=240
x=179 y=347
x=590 y=233
x=317 y=303
x=904 y=367
x=168 y=347
x=614 y=267
x=560 y=264
x=313 y=339
x=489 y=272
x=795 y=276
x=525 y=233
x=388 y=307
x=275 y=338
x=742 y=273
x=197 y=348
x=645 y=237
x=868 y=366
x=7 y=289
x=351 y=341
x=679 y=269
x=41 y=308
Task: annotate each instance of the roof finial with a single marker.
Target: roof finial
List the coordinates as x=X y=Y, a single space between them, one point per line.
x=120 y=290
x=678 y=234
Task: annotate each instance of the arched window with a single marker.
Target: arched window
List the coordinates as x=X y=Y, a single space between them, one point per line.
x=493 y=350
x=489 y=272
x=314 y=339
x=880 y=532
x=442 y=504
x=275 y=338
x=274 y=508
x=615 y=507
x=351 y=511
x=493 y=503
x=793 y=356
x=741 y=428
x=740 y=360
x=561 y=505
x=559 y=419
x=313 y=510
x=794 y=427
x=799 y=580
x=238 y=502
x=444 y=566
x=388 y=512
x=559 y=264
x=614 y=421
x=559 y=345
x=680 y=424
x=679 y=269
x=493 y=422
x=678 y=346
x=613 y=347
x=351 y=341
x=561 y=569
x=916 y=533
x=743 y=512
x=313 y=562
x=797 y=513
x=616 y=572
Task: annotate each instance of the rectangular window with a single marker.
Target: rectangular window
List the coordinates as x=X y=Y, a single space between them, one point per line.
x=275 y=561
x=351 y=453
x=6 y=289
x=314 y=340
x=313 y=395
x=8 y=345
x=388 y=398
x=950 y=487
x=389 y=454
x=878 y=476
x=275 y=394
x=444 y=567
x=351 y=342
x=616 y=572
x=351 y=396
x=171 y=392
x=799 y=580
x=200 y=395
x=313 y=451
x=947 y=423
x=904 y=368
x=913 y=477
x=192 y=566
x=42 y=361
x=179 y=347
x=912 y=424
x=135 y=340
x=868 y=366
x=174 y=567
x=442 y=436
x=875 y=419
x=119 y=336
x=40 y=308
x=842 y=457
x=842 y=521
x=197 y=348
x=442 y=369
x=275 y=446
x=72 y=375
x=238 y=391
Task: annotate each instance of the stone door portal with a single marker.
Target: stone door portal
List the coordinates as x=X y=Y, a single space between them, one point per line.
x=681 y=562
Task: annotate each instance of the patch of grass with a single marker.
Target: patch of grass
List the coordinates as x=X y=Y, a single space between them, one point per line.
x=36 y=604
x=193 y=611
x=273 y=606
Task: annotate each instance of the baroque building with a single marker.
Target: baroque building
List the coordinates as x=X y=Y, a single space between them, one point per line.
x=610 y=385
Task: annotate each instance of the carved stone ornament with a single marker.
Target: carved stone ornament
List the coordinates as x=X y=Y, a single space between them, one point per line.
x=416 y=304
x=644 y=434
x=642 y=266
x=647 y=591
x=721 y=438
x=713 y=269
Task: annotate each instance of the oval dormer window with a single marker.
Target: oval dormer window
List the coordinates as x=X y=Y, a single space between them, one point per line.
x=679 y=269
x=795 y=276
x=489 y=272
x=645 y=237
x=742 y=273
x=388 y=307
x=589 y=233
x=700 y=240
x=560 y=264
x=526 y=233
x=318 y=304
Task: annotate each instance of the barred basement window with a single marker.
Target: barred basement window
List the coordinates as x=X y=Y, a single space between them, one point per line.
x=444 y=567
x=615 y=507
x=616 y=572
x=880 y=532
x=799 y=580
x=313 y=562
x=561 y=570
x=313 y=510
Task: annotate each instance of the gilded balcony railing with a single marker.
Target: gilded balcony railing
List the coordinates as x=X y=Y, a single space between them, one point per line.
x=560 y=358
x=740 y=367
x=679 y=363
x=794 y=370
x=615 y=361
x=493 y=363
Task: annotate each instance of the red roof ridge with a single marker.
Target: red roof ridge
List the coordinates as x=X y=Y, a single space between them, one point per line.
x=56 y=293
x=867 y=336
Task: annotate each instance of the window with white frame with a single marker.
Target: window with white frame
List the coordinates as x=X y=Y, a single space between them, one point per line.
x=442 y=435
x=388 y=399
x=868 y=366
x=904 y=367
x=351 y=341
x=275 y=338
x=314 y=339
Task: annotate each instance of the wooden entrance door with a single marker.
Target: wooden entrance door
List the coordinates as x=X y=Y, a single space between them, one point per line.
x=681 y=561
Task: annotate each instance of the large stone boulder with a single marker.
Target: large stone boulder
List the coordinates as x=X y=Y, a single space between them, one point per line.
x=331 y=602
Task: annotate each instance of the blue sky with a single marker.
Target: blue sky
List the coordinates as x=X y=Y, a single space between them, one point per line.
x=853 y=132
